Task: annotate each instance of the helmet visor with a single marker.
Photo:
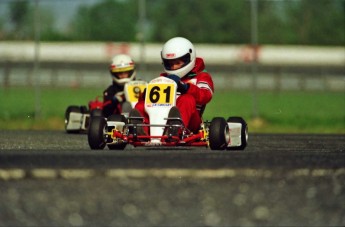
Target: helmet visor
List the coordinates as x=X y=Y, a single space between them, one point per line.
x=121 y=67
x=122 y=74
x=176 y=63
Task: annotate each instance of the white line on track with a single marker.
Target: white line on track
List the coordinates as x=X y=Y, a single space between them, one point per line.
x=18 y=174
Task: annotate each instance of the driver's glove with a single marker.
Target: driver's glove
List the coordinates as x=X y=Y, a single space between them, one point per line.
x=181 y=86
x=118 y=98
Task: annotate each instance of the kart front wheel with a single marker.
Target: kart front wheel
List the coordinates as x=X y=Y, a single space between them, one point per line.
x=126 y=108
x=96 y=133
x=218 y=134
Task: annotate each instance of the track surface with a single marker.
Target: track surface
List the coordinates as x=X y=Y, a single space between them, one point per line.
x=49 y=178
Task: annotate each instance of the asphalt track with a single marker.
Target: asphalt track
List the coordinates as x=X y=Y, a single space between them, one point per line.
x=49 y=178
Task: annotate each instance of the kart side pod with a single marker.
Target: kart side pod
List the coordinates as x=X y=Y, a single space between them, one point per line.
x=238 y=131
x=76 y=119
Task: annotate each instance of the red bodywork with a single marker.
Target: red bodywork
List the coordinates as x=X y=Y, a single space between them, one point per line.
x=95 y=104
x=145 y=140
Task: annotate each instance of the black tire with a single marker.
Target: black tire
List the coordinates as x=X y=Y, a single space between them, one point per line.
x=96 y=113
x=120 y=118
x=218 y=134
x=244 y=132
x=71 y=109
x=84 y=109
x=96 y=132
x=135 y=114
x=126 y=107
x=174 y=113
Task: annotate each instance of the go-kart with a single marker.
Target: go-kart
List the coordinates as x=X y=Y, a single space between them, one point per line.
x=166 y=127
x=77 y=118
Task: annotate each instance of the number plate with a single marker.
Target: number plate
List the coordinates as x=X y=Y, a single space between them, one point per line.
x=160 y=95
x=134 y=91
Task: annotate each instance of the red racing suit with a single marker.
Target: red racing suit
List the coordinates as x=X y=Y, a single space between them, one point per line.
x=192 y=103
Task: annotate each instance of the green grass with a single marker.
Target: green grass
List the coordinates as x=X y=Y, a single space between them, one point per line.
x=18 y=106
x=310 y=112
x=283 y=112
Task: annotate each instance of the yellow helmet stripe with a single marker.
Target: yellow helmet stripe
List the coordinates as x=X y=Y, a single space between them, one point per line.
x=122 y=69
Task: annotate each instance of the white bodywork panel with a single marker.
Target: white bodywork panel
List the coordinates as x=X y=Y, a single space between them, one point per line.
x=77 y=121
x=235 y=134
x=133 y=89
x=158 y=109
x=118 y=125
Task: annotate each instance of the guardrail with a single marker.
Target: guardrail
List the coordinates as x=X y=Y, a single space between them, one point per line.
x=237 y=76
x=86 y=64
x=97 y=52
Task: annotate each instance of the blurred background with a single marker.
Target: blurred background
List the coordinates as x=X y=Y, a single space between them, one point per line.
x=254 y=48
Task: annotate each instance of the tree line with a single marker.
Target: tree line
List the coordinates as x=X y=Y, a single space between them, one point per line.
x=293 y=22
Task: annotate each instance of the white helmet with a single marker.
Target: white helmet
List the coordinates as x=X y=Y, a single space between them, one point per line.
x=122 y=63
x=178 y=48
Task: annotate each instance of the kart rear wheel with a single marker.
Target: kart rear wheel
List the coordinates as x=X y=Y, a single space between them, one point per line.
x=117 y=118
x=69 y=110
x=126 y=108
x=244 y=132
x=173 y=113
x=96 y=133
x=84 y=109
x=218 y=134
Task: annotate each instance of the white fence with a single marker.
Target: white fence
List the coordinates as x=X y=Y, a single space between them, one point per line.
x=85 y=64
x=213 y=54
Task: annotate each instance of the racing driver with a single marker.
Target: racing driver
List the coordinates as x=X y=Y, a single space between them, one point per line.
x=122 y=70
x=194 y=84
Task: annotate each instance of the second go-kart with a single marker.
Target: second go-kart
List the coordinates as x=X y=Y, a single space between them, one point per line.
x=166 y=127
x=77 y=118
